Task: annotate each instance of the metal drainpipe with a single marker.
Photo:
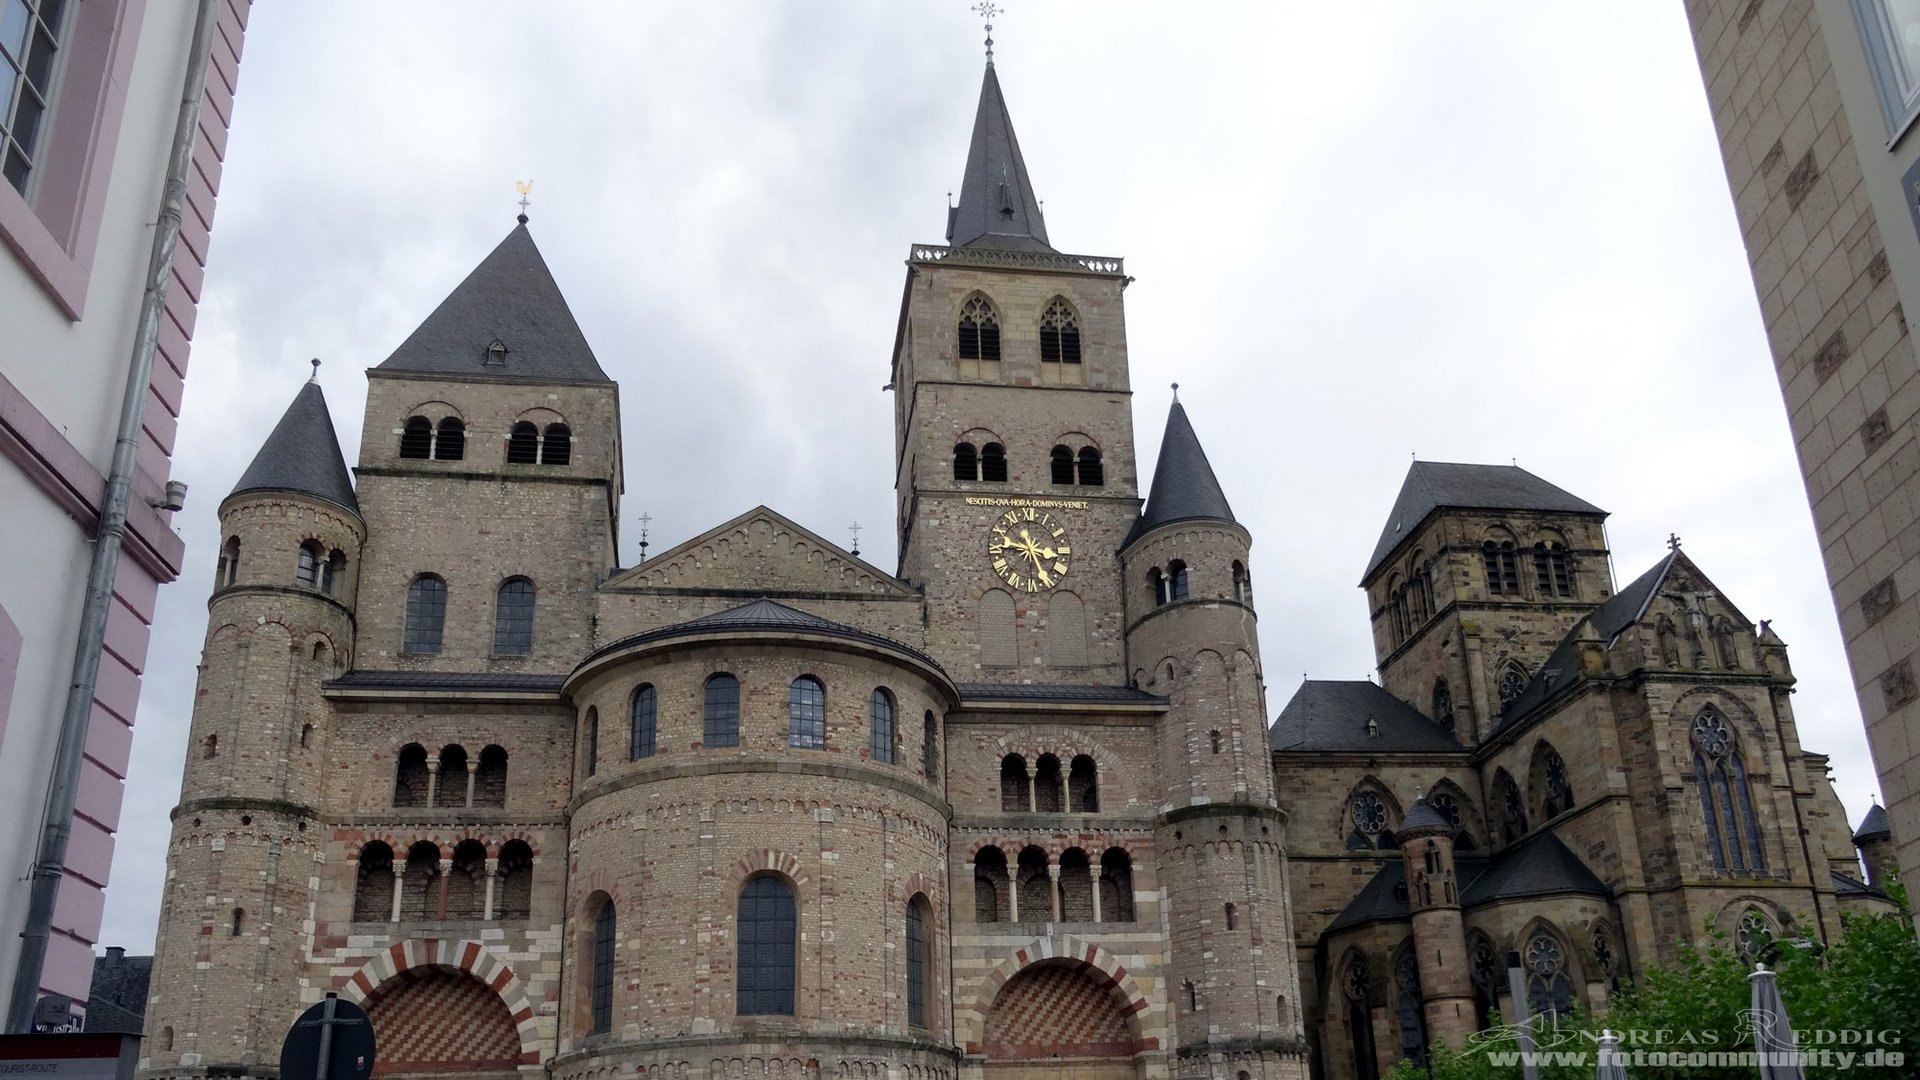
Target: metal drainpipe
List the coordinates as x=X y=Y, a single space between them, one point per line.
x=56 y=825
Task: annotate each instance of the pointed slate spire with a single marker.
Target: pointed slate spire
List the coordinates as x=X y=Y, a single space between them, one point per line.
x=997 y=205
x=506 y=320
x=1184 y=487
x=302 y=455
x=1874 y=826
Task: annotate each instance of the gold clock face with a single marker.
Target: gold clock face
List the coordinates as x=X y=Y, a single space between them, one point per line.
x=1029 y=549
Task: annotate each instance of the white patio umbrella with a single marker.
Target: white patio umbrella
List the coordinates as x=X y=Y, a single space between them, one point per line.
x=1773 y=1037
x=1612 y=1067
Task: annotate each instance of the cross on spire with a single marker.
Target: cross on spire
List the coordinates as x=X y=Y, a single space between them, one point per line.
x=1673 y=541
x=524 y=187
x=987 y=10
x=856 y=537
x=645 y=520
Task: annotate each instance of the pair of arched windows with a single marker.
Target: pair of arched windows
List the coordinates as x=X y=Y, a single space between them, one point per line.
x=1170 y=585
x=422 y=439
x=1410 y=600
x=453 y=780
x=977 y=339
x=986 y=463
x=1552 y=568
x=527 y=444
x=1042 y=791
x=1083 y=468
x=426 y=618
x=1030 y=893
x=315 y=567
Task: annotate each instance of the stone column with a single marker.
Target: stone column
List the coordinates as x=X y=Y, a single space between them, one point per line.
x=493 y=874
x=473 y=771
x=433 y=782
x=1053 y=888
x=446 y=875
x=399 y=879
x=1096 y=897
x=1032 y=800
x=1013 y=896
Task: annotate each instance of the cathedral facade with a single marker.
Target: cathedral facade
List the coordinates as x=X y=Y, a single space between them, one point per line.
x=755 y=808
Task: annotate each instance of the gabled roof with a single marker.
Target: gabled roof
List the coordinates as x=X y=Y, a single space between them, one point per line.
x=512 y=299
x=762 y=616
x=1184 y=487
x=117 y=996
x=998 y=208
x=691 y=561
x=1078 y=693
x=1540 y=865
x=1874 y=826
x=302 y=455
x=1842 y=886
x=1326 y=715
x=1438 y=485
x=1382 y=897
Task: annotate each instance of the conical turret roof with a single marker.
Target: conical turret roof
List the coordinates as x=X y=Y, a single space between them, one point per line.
x=510 y=301
x=1874 y=826
x=1184 y=487
x=1422 y=817
x=302 y=455
x=998 y=208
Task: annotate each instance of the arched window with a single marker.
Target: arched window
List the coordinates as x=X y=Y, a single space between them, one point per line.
x=556 y=447
x=1083 y=787
x=1549 y=990
x=1513 y=683
x=307 y=566
x=239 y=922
x=1552 y=573
x=210 y=746
x=1062 y=465
x=333 y=571
x=410 y=778
x=420 y=886
x=1503 y=568
x=966 y=462
x=1076 y=886
x=993 y=463
x=523 y=444
x=1047 y=787
x=1230 y=913
x=514 y=901
x=590 y=750
x=416 y=438
x=1733 y=831
x=721 y=717
x=990 y=886
x=426 y=614
x=999 y=636
x=1413 y=1025
x=640 y=737
x=1753 y=937
x=452 y=790
x=600 y=993
x=228 y=571
x=930 y=748
x=880 y=735
x=450 y=440
x=513 y=618
x=919 y=958
x=1513 y=808
x=1369 y=814
x=1443 y=706
x=979 y=331
x=1604 y=955
x=490 y=779
x=807 y=714
x=1116 y=886
x=1177 y=578
x=467 y=883
x=767 y=927
x=166 y=1038
x=1091 y=472
x=1242 y=583
x=1359 y=991
x=1035 y=886
x=1157 y=581
x=1059 y=336
x=1556 y=791
x=373 y=884
x=1016 y=795
x=1489 y=978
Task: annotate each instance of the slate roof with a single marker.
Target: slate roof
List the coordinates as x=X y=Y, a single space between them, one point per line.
x=452 y=681
x=1608 y=622
x=302 y=455
x=117 y=997
x=998 y=208
x=1540 y=865
x=1421 y=816
x=511 y=298
x=1184 y=487
x=764 y=615
x=1842 y=886
x=1381 y=898
x=1329 y=715
x=1436 y=485
x=1874 y=826
x=1078 y=692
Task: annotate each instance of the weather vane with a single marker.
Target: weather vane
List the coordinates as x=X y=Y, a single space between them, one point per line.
x=524 y=187
x=987 y=10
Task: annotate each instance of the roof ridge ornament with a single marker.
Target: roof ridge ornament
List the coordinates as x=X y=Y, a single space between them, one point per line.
x=525 y=188
x=315 y=377
x=987 y=10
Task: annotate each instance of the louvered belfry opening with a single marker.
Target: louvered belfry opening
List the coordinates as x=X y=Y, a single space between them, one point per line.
x=523 y=444
x=966 y=462
x=993 y=463
x=979 y=331
x=1091 y=472
x=450 y=442
x=1062 y=463
x=416 y=439
x=557 y=447
x=1059 y=335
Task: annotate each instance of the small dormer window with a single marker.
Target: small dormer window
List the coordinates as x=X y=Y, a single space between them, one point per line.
x=496 y=353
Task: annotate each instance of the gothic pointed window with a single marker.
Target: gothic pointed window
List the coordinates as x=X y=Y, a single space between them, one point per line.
x=1092 y=474
x=1753 y=938
x=450 y=440
x=880 y=732
x=1558 y=797
x=1449 y=808
x=767 y=926
x=1506 y=793
x=1059 y=334
x=1062 y=465
x=416 y=438
x=966 y=462
x=513 y=618
x=1502 y=566
x=1604 y=956
x=721 y=720
x=600 y=992
x=523 y=444
x=1359 y=994
x=556 y=445
x=1549 y=989
x=807 y=714
x=978 y=334
x=426 y=614
x=1726 y=801
x=993 y=463
x=1487 y=978
x=1513 y=683
x=1413 y=1027
x=640 y=738
x=1443 y=706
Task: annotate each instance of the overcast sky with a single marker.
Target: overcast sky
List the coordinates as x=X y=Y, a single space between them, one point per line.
x=1480 y=232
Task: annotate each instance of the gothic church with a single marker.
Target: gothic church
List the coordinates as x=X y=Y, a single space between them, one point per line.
x=755 y=809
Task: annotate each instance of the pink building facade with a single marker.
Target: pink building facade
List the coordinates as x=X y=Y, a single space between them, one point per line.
x=89 y=100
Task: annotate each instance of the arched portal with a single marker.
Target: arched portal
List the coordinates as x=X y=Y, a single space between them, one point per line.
x=410 y=1014
x=1059 y=1017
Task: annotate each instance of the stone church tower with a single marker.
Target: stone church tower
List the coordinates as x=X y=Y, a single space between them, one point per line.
x=753 y=809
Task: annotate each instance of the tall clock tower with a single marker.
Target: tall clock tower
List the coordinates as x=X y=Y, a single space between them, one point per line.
x=1014 y=433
